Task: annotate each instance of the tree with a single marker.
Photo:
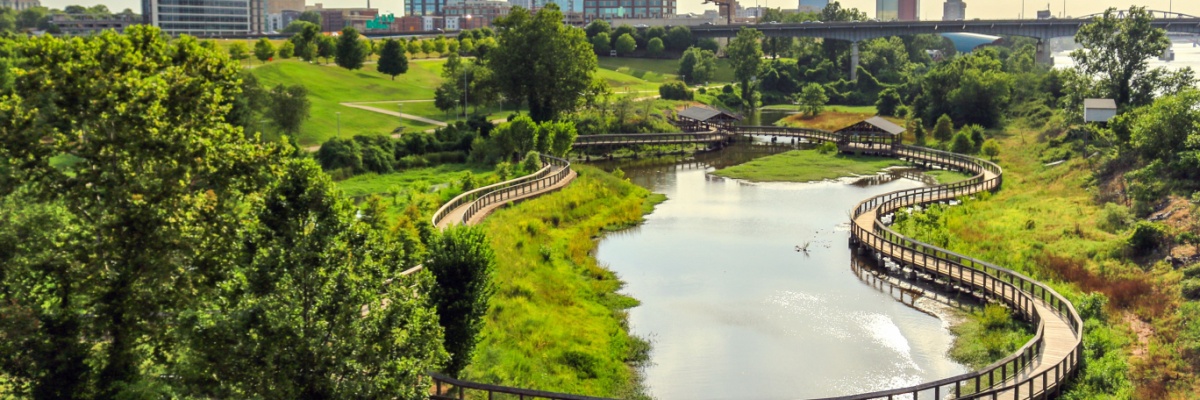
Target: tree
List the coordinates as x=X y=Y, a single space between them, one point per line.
x=1110 y=53
x=326 y=47
x=918 y=130
x=288 y=107
x=597 y=27
x=287 y=50
x=297 y=26
x=745 y=56
x=312 y=17
x=427 y=47
x=264 y=50
x=624 y=29
x=654 y=47
x=1166 y=131
x=674 y=91
x=601 y=43
x=238 y=51
x=991 y=148
x=392 y=60
x=626 y=44
x=351 y=52
x=813 y=99
x=561 y=135
x=889 y=100
x=679 y=38
x=709 y=44
x=462 y=263
x=697 y=66
x=944 y=128
x=975 y=132
x=516 y=137
x=655 y=32
x=439 y=45
x=413 y=47
x=305 y=42
x=962 y=144
x=541 y=45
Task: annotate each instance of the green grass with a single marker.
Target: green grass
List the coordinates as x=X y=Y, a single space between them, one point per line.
x=945 y=177
x=805 y=166
x=659 y=70
x=557 y=322
x=986 y=336
x=622 y=83
x=330 y=85
x=832 y=108
x=370 y=183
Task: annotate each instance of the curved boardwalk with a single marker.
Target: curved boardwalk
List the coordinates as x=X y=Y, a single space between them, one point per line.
x=1038 y=370
x=472 y=206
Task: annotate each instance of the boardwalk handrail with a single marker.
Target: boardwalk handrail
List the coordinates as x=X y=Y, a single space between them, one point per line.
x=439 y=379
x=548 y=163
x=539 y=181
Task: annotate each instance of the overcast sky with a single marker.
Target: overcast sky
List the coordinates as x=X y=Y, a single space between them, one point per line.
x=930 y=9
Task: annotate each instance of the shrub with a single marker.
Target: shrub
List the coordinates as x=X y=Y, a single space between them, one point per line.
x=1114 y=218
x=727 y=89
x=675 y=91
x=1146 y=238
x=1190 y=288
x=944 y=128
x=827 y=148
x=991 y=148
x=532 y=162
x=961 y=143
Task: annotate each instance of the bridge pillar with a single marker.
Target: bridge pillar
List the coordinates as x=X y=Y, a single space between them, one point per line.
x=1043 y=53
x=854 y=61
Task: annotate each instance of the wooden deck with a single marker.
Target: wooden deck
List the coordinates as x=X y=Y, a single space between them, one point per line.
x=455 y=216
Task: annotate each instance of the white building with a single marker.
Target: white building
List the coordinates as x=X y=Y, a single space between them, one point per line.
x=1099 y=110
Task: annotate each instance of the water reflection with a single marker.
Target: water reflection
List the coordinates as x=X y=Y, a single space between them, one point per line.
x=734 y=311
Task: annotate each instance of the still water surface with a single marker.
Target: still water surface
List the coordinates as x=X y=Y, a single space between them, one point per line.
x=734 y=311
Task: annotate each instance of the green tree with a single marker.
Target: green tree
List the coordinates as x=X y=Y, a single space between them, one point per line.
x=540 y=44
x=654 y=47
x=709 y=44
x=298 y=26
x=288 y=107
x=142 y=220
x=516 y=137
x=264 y=50
x=813 y=99
x=311 y=17
x=626 y=44
x=1115 y=49
x=287 y=50
x=975 y=132
x=624 y=29
x=745 y=56
x=351 y=52
x=326 y=47
x=427 y=47
x=601 y=43
x=679 y=38
x=392 y=60
x=238 y=51
x=944 y=128
x=413 y=47
x=918 y=130
x=697 y=65
x=1166 y=131
x=562 y=135
x=991 y=149
x=597 y=27
x=655 y=32
x=888 y=102
x=305 y=42
x=462 y=263
x=962 y=144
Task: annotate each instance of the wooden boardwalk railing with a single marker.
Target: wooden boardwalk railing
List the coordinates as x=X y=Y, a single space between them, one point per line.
x=1039 y=370
x=463 y=207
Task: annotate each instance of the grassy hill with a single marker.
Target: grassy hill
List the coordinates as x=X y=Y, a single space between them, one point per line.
x=658 y=70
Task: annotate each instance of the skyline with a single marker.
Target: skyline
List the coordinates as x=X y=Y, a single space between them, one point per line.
x=930 y=9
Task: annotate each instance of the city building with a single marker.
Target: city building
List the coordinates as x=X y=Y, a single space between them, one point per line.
x=82 y=24
x=471 y=14
x=279 y=6
x=813 y=5
x=277 y=21
x=954 y=10
x=897 y=10
x=622 y=9
x=334 y=19
x=431 y=22
x=423 y=8
x=20 y=4
x=200 y=17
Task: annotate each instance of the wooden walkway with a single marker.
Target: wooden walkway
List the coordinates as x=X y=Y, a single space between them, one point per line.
x=455 y=216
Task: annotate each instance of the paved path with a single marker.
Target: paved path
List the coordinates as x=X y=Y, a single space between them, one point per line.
x=395 y=114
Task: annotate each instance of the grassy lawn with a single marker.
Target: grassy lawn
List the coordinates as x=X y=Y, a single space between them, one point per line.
x=556 y=321
x=328 y=86
x=805 y=166
x=659 y=70
x=944 y=177
x=368 y=184
x=622 y=83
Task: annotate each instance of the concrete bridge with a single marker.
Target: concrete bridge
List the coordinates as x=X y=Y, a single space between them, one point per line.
x=1041 y=29
x=1039 y=370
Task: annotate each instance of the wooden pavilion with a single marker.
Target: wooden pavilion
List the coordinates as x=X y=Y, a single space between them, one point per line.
x=700 y=119
x=872 y=135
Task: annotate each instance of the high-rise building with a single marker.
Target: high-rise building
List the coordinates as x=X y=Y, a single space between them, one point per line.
x=424 y=7
x=616 y=9
x=897 y=10
x=203 y=17
x=19 y=5
x=813 y=5
x=954 y=10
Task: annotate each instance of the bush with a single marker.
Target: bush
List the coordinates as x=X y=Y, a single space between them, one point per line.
x=1146 y=238
x=675 y=91
x=962 y=144
x=944 y=128
x=991 y=148
x=827 y=148
x=1114 y=218
x=1190 y=288
x=727 y=89
x=532 y=162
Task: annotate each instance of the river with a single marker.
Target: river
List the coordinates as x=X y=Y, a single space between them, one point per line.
x=735 y=311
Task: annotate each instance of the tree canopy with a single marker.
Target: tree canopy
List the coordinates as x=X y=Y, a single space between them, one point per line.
x=351 y=50
x=1115 y=51
x=540 y=45
x=745 y=55
x=392 y=60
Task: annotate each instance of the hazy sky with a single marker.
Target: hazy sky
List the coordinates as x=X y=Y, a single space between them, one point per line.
x=930 y=9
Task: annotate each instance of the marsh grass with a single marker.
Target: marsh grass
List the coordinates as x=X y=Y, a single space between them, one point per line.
x=805 y=166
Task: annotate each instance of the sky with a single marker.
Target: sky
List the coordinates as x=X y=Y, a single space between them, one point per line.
x=930 y=9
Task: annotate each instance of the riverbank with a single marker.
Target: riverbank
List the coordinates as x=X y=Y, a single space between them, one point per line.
x=807 y=166
x=557 y=322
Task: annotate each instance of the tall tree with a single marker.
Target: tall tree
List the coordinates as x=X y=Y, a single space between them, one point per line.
x=351 y=51
x=264 y=50
x=540 y=45
x=745 y=55
x=1115 y=50
x=238 y=51
x=813 y=99
x=654 y=47
x=601 y=43
x=462 y=262
x=944 y=129
x=289 y=107
x=696 y=65
x=392 y=60
x=679 y=38
x=326 y=47
x=312 y=17
x=626 y=44
x=597 y=27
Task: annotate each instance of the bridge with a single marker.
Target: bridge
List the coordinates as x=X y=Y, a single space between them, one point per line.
x=854 y=32
x=1040 y=369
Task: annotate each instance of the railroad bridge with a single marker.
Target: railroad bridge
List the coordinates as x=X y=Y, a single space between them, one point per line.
x=1039 y=370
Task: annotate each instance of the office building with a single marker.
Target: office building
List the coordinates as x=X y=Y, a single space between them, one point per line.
x=422 y=8
x=83 y=24
x=279 y=6
x=335 y=19
x=20 y=4
x=897 y=10
x=624 y=9
x=954 y=10
x=909 y=10
x=472 y=14
x=203 y=17
x=813 y=5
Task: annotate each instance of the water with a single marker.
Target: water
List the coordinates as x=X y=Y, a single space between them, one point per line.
x=735 y=311
x=1185 y=56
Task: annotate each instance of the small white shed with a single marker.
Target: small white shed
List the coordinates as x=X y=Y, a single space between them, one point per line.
x=1099 y=110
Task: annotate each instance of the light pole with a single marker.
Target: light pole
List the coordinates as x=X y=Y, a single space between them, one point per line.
x=339 y=123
